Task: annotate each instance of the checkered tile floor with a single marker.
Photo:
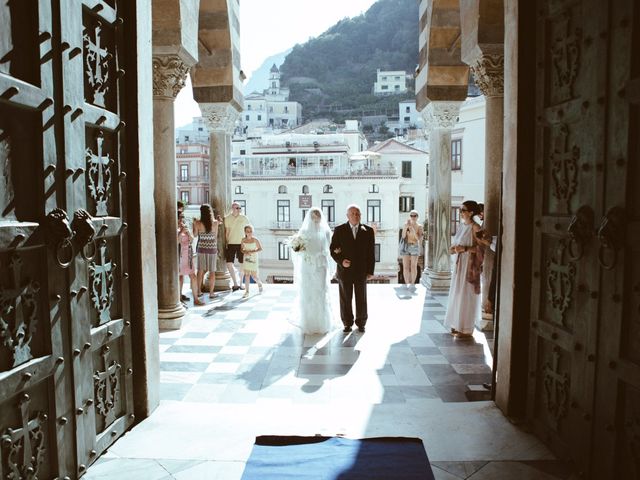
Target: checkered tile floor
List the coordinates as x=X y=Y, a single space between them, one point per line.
x=238 y=369
x=237 y=350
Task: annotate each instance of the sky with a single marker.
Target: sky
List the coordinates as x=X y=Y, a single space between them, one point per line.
x=268 y=27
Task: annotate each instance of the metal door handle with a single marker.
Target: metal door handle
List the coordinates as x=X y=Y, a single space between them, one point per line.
x=580 y=232
x=60 y=235
x=83 y=232
x=611 y=235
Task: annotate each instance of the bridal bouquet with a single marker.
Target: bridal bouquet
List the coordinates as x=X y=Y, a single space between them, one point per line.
x=297 y=243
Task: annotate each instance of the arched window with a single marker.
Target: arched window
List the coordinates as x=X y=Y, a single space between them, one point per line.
x=305 y=189
x=327 y=189
x=282 y=189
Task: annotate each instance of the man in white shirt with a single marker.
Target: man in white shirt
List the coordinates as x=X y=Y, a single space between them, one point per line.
x=234 y=224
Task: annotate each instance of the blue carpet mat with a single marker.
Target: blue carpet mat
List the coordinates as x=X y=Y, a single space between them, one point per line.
x=337 y=458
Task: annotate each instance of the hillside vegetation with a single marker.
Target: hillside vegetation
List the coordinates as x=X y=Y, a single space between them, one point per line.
x=333 y=75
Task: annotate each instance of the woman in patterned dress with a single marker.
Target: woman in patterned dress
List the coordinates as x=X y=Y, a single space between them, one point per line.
x=206 y=230
x=187 y=263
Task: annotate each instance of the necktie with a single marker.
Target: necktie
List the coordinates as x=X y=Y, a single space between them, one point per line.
x=355 y=230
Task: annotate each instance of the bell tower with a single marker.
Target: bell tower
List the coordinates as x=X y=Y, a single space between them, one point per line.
x=274 y=80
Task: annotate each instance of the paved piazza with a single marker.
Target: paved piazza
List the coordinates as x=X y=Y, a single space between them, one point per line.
x=238 y=369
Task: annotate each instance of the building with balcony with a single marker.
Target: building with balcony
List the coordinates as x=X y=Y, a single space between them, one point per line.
x=192 y=163
x=390 y=82
x=277 y=178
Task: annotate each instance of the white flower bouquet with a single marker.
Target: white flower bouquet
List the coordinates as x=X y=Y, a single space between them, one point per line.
x=297 y=243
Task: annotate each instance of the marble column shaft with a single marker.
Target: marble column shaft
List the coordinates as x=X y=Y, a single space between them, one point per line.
x=220 y=119
x=169 y=75
x=488 y=71
x=440 y=117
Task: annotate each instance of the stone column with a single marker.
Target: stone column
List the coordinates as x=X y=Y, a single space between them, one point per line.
x=488 y=71
x=440 y=117
x=220 y=118
x=169 y=75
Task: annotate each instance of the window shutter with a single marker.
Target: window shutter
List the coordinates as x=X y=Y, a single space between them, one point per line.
x=413 y=203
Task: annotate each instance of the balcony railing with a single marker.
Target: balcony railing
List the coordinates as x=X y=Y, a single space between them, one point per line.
x=310 y=171
x=192 y=178
x=284 y=226
x=378 y=226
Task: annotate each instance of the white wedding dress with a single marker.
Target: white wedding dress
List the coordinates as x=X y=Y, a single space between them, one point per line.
x=312 y=276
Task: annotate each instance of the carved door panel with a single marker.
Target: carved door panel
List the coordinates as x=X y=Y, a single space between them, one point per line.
x=36 y=410
x=617 y=424
x=93 y=99
x=65 y=354
x=571 y=64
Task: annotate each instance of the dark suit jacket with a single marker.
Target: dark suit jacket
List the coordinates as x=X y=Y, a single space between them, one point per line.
x=359 y=250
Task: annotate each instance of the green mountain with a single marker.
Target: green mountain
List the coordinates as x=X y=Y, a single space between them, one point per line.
x=332 y=75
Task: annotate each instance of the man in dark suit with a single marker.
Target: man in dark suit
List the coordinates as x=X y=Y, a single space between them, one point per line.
x=352 y=247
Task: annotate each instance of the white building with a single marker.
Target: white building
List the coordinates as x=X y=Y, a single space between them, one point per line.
x=467 y=157
x=270 y=109
x=412 y=165
x=196 y=131
x=408 y=121
x=390 y=82
x=408 y=116
x=279 y=177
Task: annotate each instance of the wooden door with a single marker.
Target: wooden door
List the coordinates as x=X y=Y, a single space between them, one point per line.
x=617 y=421
x=583 y=395
x=570 y=82
x=65 y=346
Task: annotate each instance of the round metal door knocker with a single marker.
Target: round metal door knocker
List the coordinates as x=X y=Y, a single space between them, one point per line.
x=60 y=235
x=580 y=232
x=84 y=234
x=611 y=235
x=65 y=253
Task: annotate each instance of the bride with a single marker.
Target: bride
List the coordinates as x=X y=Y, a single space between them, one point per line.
x=311 y=273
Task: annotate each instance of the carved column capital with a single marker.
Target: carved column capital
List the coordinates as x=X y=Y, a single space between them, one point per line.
x=441 y=115
x=169 y=75
x=488 y=73
x=220 y=117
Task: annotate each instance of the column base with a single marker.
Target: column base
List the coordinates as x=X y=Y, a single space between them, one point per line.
x=170 y=318
x=436 y=281
x=223 y=281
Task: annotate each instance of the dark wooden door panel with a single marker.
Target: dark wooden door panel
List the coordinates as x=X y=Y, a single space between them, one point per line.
x=617 y=432
x=563 y=342
x=35 y=385
x=94 y=139
x=584 y=389
x=65 y=347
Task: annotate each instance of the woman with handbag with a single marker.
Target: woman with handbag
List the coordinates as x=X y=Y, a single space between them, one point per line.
x=186 y=256
x=412 y=238
x=464 y=294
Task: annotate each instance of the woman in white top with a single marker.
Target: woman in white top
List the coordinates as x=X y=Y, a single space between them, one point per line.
x=464 y=295
x=412 y=237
